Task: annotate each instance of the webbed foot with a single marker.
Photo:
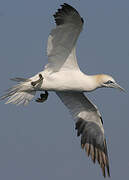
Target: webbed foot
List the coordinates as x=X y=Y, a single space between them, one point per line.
x=43 y=97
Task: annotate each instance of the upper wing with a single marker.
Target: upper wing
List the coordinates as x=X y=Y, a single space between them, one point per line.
x=89 y=126
x=61 y=41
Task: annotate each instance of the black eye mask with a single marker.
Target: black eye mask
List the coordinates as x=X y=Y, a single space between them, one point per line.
x=109 y=82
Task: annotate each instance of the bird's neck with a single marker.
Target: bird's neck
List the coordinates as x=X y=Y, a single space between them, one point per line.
x=91 y=82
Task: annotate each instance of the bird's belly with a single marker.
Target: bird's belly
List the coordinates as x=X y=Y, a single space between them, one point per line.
x=62 y=82
x=61 y=86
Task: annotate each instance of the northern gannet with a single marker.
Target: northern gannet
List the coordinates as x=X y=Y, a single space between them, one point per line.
x=63 y=75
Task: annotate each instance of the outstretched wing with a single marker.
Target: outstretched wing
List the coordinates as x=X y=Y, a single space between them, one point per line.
x=89 y=126
x=61 y=41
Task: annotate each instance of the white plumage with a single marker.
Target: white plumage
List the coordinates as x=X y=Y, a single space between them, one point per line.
x=63 y=75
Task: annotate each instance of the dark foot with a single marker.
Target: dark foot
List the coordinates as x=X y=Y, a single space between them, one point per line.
x=38 y=81
x=43 y=97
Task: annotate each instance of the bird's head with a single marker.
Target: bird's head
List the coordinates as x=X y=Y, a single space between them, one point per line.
x=107 y=81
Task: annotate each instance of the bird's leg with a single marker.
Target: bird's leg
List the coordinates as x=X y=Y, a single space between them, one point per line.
x=43 y=97
x=34 y=83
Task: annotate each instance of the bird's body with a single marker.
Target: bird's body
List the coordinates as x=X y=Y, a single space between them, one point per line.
x=63 y=76
x=72 y=80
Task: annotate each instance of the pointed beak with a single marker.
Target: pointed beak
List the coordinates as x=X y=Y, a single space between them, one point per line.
x=115 y=85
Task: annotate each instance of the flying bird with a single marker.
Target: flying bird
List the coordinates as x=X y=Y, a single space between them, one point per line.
x=63 y=76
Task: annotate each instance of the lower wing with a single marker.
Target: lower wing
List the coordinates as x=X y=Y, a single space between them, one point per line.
x=89 y=126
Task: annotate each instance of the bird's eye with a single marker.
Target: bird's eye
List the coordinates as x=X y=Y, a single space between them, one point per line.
x=109 y=82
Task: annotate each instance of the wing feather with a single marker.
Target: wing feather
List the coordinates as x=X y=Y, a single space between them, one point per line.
x=89 y=126
x=62 y=39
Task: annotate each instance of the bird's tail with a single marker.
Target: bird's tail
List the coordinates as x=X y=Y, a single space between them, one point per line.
x=21 y=93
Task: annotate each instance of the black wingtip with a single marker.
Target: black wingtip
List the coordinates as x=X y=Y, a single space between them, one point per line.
x=64 y=11
x=94 y=144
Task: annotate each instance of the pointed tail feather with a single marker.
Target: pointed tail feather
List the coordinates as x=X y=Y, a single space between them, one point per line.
x=21 y=93
x=18 y=79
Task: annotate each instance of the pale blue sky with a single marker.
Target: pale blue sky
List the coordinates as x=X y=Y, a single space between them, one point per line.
x=39 y=142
